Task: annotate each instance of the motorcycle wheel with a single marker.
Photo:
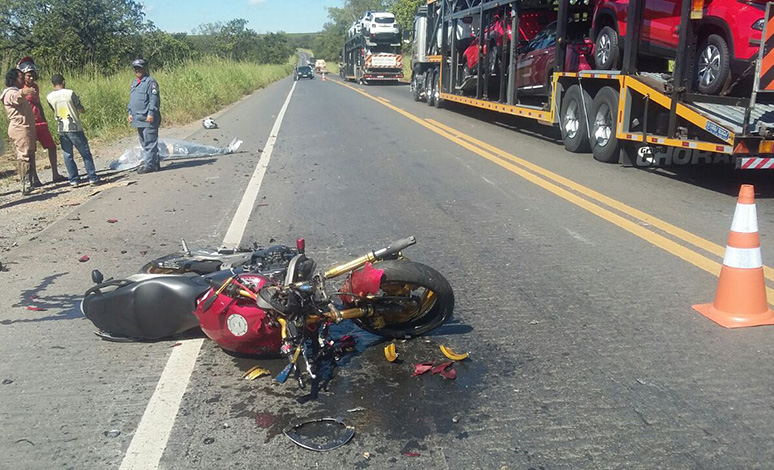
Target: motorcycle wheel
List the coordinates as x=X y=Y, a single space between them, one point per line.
x=411 y=280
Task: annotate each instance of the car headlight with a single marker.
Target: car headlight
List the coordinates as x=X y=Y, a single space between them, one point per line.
x=758 y=25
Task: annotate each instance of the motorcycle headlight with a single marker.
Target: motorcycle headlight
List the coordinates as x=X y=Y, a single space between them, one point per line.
x=758 y=25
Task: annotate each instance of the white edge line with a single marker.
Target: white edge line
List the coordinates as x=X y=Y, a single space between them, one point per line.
x=239 y=223
x=150 y=439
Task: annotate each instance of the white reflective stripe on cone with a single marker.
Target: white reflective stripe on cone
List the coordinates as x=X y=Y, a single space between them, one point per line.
x=745 y=258
x=745 y=219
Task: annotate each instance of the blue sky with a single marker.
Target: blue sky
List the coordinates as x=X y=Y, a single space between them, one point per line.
x=291 y=16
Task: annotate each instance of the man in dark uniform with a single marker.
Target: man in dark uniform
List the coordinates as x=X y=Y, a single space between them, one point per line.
x=144 y=114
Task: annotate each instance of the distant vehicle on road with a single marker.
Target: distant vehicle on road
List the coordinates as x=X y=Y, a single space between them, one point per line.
x=373 y=52
x=304 y=71
x=320 y=66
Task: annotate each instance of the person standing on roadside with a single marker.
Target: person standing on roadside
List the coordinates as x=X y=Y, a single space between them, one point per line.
x=144 y=114
x=67 y=108
x=31 y=91
x=21 y=127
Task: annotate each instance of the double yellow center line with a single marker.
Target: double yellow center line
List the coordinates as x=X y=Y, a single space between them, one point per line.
x=636 y=222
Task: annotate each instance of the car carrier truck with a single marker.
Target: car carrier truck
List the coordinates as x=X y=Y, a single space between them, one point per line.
x=369 y=56
x=635 y=115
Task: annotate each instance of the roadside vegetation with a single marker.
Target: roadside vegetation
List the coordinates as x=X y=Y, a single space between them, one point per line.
x=92 y=43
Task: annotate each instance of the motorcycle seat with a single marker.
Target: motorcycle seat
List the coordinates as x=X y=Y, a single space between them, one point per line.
x=152 y=308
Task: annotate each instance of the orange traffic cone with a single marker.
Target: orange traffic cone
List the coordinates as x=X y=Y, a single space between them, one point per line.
x=741 y=296
x=323 y=74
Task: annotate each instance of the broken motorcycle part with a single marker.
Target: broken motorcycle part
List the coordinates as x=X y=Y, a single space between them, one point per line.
x=321 y=434
x=453 y=355
x=390 y=353
x=441 y=367
x=255 y=372
x=422 y=368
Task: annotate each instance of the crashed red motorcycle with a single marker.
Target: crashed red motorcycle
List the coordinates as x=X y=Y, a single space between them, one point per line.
x=383 y=293
x=252 y=313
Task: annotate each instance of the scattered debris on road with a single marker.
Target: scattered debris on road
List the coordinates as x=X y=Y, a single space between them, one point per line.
x=448 y=352
x=83 y=259
x=390 y=353
x=112 y=433
x=355 y=410
x=255 y=372
x=422 y=368
x=112 y=221
x=309 y=433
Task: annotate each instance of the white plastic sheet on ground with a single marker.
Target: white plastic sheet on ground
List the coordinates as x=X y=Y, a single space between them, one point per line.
x=171 y=149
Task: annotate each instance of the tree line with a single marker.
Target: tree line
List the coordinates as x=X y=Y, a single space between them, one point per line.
x=105 y=35
x=328 y=44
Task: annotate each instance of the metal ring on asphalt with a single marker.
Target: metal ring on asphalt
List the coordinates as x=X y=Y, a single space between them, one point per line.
x=346 y=433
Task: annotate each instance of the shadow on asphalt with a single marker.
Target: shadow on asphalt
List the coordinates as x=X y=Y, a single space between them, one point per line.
x=189 y=163
x=62 y=306
x=720 y=178
x=35 y=197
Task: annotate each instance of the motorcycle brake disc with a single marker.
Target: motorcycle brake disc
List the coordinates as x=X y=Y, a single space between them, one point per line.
x=327 y=426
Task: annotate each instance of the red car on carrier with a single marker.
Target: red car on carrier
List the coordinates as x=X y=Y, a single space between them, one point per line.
x=728 y=37
x=535 y=65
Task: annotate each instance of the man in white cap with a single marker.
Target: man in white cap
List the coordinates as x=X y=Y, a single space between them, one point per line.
x=144 y=114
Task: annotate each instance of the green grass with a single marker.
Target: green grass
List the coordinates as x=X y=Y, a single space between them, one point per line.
x=190 y=91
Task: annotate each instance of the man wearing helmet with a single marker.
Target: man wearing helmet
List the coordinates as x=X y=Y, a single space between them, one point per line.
x=31 y=91
x=145 y=116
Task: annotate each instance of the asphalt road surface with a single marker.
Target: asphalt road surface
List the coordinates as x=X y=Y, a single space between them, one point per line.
x=574 y=282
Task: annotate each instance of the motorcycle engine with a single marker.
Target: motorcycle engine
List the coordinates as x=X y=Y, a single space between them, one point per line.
x=272 y=262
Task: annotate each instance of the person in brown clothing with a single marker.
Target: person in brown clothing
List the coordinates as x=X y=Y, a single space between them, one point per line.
x=21 y=127
x=31 y=91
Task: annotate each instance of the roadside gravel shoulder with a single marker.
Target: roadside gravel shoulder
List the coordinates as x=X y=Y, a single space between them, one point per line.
x=21 y=218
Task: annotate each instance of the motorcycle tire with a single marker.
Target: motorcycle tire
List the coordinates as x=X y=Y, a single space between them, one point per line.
x=403 y=274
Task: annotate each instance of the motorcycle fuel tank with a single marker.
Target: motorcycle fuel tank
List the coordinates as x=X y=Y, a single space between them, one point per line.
x=238 y=324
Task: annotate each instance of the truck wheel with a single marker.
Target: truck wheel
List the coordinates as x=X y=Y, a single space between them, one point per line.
x=415 y=91
x=713 y=68
x=604 y=110
x=429 y=87
x=606 y=49
x=574 y=120
x=437 y=90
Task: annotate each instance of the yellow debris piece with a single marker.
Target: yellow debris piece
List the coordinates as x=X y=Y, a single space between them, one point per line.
x=453 y=355
x=389 y=352
x=254 y=373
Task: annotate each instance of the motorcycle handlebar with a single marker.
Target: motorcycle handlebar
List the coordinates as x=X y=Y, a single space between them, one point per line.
x=356 y=263
x=395 y=247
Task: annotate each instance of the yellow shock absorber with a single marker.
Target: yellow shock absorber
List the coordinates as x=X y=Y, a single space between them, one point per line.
x=349 y=266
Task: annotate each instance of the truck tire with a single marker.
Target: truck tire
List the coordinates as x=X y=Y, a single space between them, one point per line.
x=415 y=91
x=607 y=49
x=574 y=120
x=713 y=66
x=604 y=111
x=437 y=90
x=429 y=87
